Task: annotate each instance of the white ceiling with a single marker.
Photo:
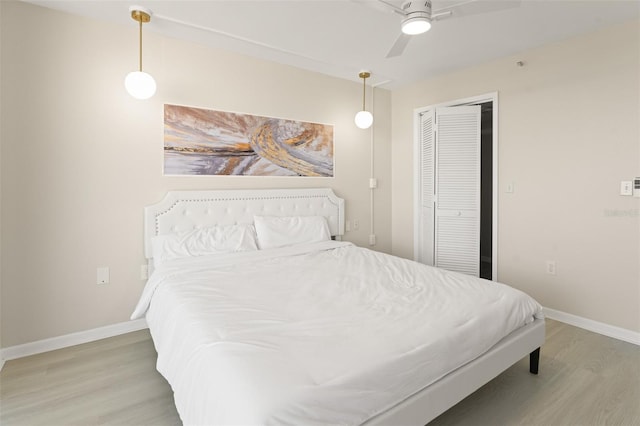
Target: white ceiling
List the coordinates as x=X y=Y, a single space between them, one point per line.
x=342 y=37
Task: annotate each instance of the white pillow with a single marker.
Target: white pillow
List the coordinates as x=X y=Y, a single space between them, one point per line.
x=276 y=231
x=203 y=241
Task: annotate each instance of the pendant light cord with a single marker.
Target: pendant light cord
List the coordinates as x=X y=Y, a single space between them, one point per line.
x=364 y=89
x=140 y=45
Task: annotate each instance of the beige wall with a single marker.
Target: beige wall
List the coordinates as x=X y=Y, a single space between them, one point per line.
x=80 y=158
x=569 y=132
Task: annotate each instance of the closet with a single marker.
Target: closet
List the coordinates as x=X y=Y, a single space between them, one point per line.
x=455 y=188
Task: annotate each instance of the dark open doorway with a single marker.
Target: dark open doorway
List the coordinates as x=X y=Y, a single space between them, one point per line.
x=486 y=189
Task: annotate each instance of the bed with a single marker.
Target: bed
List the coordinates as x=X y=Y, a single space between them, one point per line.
x=308 y=329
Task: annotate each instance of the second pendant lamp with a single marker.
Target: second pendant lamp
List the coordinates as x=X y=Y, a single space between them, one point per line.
x=364 y=119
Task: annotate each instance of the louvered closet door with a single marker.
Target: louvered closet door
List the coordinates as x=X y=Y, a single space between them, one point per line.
x=427 y=167
x=457 y=189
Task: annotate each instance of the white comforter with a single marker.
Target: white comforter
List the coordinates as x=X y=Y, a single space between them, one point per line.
x=328 y=333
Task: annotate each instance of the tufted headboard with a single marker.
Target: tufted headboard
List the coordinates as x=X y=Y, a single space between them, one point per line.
x=186 y=210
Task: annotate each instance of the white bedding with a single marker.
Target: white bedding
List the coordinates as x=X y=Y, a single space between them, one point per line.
x=324 y=333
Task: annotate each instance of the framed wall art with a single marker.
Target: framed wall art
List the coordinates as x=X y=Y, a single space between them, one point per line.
x=219 y=143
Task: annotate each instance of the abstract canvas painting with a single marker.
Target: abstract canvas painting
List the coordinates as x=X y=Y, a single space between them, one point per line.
x=207 y=142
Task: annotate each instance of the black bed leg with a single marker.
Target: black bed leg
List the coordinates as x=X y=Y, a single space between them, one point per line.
x=534 y=360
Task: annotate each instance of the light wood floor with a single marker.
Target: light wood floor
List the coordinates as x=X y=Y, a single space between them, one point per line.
x=585 y=379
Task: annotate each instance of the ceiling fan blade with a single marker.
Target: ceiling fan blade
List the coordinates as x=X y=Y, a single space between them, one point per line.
x=476 y=7
x=392 y=7
x=399 y=45
x=380 y=6
x=441 y=15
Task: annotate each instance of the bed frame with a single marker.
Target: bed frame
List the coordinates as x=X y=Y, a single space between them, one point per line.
x=186 y=210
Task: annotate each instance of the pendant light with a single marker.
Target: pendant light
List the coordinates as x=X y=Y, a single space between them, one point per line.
x=139 y=84
x=364 y=119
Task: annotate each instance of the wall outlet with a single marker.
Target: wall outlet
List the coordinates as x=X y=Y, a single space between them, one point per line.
x=551 y=267
x=144 y=272
x=372 y=239
x=102 y=276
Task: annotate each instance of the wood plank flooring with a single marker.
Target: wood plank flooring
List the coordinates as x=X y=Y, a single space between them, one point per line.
x=107 y=382
x=585 y=379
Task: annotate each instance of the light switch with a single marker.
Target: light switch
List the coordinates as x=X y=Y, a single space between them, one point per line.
x=510 y=188
x=626 y=187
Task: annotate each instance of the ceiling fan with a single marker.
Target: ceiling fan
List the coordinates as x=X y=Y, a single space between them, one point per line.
x=418 y=15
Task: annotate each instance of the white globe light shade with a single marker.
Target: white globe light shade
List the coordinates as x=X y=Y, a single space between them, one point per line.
x=417 y=25
x=140 y=85
x=364 y=119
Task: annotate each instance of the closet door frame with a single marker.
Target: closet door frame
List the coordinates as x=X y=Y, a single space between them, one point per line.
x=489 y=97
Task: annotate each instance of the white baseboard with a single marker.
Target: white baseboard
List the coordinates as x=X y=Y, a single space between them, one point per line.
x=595 y=326
x=67 y=340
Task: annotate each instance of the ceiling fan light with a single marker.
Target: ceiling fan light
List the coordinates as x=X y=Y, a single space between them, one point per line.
x=364 y=119
x=140 y=85
x=416 y=25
